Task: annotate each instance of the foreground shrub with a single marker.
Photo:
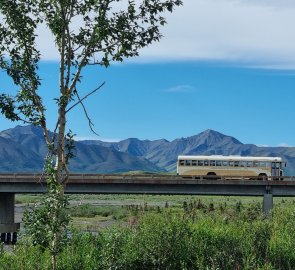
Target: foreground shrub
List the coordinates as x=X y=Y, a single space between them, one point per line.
x=173 y=241
x=160 y=242
x=25 y=257
x=282 y=244
x=83 y=253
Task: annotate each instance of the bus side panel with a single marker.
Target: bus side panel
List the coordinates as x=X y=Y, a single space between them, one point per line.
x=225 y=171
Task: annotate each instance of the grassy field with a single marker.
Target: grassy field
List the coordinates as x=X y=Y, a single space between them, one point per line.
x=95 y=212
x=168 y=233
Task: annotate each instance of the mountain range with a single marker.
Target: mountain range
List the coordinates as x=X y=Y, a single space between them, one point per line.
x=23 y=149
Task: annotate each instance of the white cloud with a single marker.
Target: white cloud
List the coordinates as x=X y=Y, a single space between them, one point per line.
x=283 y=145
x=262 y=145
x=180 y=89
x=229 y=30
x=282 y=4
x=251 y=32
x=46 y=45
x=279 y=145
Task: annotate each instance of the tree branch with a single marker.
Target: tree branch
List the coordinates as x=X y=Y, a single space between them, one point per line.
x=87 y=50
x=107 y=47
x=80 y=100
x=85 y=111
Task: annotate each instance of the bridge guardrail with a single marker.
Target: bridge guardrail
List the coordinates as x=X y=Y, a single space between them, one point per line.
x=38 y=177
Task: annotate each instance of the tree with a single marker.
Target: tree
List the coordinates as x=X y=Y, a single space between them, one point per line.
x=108 y=31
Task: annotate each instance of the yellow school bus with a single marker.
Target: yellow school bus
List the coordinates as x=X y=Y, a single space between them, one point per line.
x=217 y=165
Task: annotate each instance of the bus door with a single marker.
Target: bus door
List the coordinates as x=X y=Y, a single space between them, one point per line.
x=275 y=169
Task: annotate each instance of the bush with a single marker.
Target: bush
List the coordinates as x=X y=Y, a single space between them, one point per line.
x=88 y=211
x=173 y=241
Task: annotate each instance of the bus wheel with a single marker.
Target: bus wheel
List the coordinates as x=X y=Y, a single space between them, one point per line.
x=3 y=237
x=14 y=238
x=211 y=175
x=262 y=176
x=8 y=238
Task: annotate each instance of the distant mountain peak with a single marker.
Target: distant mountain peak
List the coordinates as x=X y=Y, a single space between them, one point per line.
x=18 y=131
x=22 y=129
x=211 y=132
x=213 y=136
x=29 y=129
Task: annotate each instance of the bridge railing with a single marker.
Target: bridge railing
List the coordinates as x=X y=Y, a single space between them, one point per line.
x=80 y=177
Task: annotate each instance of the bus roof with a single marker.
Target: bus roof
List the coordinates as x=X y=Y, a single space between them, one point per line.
x=234 y=158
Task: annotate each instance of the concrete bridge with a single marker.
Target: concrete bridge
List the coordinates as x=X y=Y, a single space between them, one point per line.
x=11 y=184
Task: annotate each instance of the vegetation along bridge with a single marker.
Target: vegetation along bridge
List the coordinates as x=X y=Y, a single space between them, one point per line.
x=11 y=184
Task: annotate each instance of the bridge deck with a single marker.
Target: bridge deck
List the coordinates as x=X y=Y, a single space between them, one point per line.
x=151 y=184
x=27 y=177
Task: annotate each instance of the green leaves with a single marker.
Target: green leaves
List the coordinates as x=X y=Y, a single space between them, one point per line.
x=47 y=224
x=69 y=146
x=7 y=107
x=19 y=58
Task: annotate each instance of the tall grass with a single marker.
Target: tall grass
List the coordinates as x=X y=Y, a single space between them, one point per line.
x=196 y=238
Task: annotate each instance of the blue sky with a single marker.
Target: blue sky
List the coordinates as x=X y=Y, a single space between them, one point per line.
x=226 y=65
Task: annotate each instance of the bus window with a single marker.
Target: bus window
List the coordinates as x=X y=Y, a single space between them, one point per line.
x=283 y=164
x=200 y=163
x=206 y=162
x=243 y=163
x=278 y=165
x=249 y=164
x=268 y=164
x=212 y=162
x=273 y=165
x=194 y=162
x=181 y=162
x=218 y=163
x=187 y=163
x=231 y=163
x=225 y=163
x=236 y=163
x=262 y=164
x=255 y=164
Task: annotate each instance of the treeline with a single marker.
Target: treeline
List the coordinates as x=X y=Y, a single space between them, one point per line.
x=173 y=240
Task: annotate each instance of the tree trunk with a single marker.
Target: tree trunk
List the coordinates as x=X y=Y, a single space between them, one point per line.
x=59 y=166
x=53 y=262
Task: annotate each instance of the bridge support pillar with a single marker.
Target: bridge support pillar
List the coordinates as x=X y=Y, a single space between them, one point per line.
x=8 y=228
x=267 y=203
